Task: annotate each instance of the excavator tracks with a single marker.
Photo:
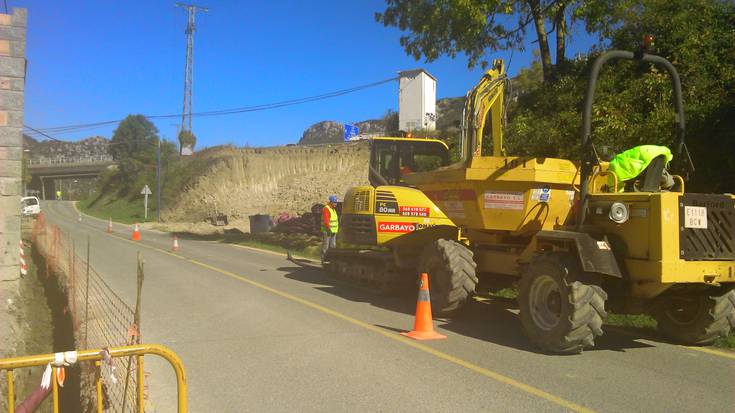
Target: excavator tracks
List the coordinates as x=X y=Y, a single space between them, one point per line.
x=369 y=270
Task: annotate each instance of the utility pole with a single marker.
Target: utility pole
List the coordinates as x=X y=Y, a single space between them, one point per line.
x=191 y=10
x=158 y=181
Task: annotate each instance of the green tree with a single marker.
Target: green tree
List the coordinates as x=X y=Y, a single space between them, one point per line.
x=390 y=122
x=187 y=138
x=134 y=137
x=438 y=27
x=633 y=103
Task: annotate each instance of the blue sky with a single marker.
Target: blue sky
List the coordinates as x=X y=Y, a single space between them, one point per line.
x=92 y=61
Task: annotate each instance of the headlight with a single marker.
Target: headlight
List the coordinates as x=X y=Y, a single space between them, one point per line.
x=619 y=213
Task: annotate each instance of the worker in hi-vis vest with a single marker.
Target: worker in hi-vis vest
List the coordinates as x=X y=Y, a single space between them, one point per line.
x=330 y=225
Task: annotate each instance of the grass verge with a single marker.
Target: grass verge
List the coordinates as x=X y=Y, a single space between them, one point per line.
x=120 y=210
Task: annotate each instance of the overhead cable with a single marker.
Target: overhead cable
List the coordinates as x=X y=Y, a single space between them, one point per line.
x=219 y=112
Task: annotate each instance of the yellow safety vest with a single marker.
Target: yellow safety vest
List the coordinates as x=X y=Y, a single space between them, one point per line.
x=333 y=220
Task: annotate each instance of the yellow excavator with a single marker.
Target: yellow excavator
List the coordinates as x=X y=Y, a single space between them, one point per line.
x=576 y=244
x=384 y=226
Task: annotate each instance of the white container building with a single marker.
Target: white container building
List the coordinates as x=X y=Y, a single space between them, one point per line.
x=416 y=100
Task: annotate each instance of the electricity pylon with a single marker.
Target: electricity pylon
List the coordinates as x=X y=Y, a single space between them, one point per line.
x=191 y=10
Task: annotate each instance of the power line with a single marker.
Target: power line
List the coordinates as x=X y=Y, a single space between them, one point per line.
x=225 y=112
x=42 y=133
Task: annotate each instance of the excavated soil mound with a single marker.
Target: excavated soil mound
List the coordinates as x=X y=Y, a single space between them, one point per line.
x=242 y=182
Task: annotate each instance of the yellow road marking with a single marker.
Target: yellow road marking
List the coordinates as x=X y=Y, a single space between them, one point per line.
x=280 y=254
x=396 y=337
x=247 y=247
x=719 y=353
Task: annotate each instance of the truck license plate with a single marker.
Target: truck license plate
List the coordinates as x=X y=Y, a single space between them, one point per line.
x=695 y=217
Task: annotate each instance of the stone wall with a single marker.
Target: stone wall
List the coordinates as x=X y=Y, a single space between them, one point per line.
x=12 y=85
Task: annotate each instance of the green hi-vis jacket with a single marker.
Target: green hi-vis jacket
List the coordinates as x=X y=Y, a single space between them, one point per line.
x=629 y=164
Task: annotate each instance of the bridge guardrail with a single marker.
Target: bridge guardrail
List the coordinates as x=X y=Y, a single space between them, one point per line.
x=65 y=160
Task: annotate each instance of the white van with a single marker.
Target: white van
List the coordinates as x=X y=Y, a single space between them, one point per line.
x=30 y=206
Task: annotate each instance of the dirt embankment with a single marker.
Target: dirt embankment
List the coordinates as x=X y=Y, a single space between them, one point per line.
x=242 y=182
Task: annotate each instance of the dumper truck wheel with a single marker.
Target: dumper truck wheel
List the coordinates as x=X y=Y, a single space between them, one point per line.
x=698 y=320
x=560 y=313
x=452 y=277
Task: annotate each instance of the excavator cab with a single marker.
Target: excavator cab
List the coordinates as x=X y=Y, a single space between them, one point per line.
x=391 y=159
x=385 y=225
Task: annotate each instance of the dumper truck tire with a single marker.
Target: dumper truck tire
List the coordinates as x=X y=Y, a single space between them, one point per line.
x=697 y=320
x=452 y=277
x=560 y=312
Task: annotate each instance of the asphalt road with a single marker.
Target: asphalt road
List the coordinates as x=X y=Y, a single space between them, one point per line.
x=259 y=333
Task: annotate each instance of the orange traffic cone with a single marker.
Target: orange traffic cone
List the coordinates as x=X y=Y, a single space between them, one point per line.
x=423 y=328
x=109 y=226
x=136 y=233
x=175 y=247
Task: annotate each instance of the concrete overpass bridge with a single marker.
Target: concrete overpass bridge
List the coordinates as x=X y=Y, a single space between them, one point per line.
x=48 y=174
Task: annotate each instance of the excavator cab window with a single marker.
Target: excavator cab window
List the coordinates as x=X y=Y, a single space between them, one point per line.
x=390 y=160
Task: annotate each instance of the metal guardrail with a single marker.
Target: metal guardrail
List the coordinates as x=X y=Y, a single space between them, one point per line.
x=98 y=356
x=65 y=160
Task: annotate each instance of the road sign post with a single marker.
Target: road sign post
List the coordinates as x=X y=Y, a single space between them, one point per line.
x=158 y=181
x=145 y=192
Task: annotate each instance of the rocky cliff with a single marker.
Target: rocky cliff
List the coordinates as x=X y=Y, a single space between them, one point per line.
x=330 y=131
x=449 y=113
x=95 y=146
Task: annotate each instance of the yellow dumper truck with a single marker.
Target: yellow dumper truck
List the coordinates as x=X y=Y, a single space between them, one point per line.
x=578 y=240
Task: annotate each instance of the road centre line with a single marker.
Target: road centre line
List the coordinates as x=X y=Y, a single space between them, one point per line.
x=396 y=337
x=712 y=351
x=718 y=353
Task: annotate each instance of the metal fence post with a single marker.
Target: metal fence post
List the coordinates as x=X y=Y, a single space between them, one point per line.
x=136 y=328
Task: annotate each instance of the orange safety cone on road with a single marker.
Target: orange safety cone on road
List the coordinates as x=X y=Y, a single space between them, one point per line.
x=423 y=328
x=136 y=233
x=175 y=247
x=109 y=226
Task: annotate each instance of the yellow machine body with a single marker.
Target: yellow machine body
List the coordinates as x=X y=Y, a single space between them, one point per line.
x=502 y=202
x=660 y=247
x=391 y=215
x=489 y=191
x=502 y=193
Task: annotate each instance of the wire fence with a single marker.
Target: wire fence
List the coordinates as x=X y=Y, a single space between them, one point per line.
x=100 y=318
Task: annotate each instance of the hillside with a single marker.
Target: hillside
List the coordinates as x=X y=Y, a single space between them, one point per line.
x=330 y=131
x=449 y=113
x=94 y=146
x=244 y=181
x=241 y=182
